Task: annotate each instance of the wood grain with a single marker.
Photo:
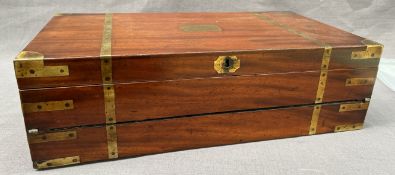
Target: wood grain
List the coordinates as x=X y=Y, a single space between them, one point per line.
x=150 y=100
x=144 y=49
x=159 y=136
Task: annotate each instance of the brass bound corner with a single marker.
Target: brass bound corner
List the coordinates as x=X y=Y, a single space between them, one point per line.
x=30 y=64
x=373 y=51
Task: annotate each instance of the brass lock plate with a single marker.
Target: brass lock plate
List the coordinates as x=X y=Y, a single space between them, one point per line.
x=226 y=64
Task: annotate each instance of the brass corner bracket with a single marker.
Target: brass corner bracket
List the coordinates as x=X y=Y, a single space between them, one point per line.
x=226 y=64
x=56 y=162
x=47 y=106
x=351 y=127
x=360 y=81
x=29 y=64
x=354 y=106
x=373 y=51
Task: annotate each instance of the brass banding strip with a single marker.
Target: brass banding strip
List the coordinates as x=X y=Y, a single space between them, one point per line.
x=108 y=87
x=51 y=137
x=320 y=90
x=56 y=162
x=324 y=67
x=112 y=141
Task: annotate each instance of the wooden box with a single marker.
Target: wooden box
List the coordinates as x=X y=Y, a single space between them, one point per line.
x=105 y=86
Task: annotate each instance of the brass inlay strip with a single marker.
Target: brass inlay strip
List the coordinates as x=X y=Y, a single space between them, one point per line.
x=341 y=128
x=108 y=88
x=354 y=106
x=200 y=28
x=324 y=66
x=56 y=162
x=50 y=137
x=29 y=64
x=47 y=106
x=112 y=143
x=373 y=51
x=360 y=81
x=226 y=64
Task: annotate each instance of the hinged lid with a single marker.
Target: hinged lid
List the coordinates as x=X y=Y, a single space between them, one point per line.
x=93 y=49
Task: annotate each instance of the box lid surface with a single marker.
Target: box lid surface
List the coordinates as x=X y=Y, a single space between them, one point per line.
x=168 y=46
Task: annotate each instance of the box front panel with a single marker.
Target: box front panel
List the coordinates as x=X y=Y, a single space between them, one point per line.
x=89 y=144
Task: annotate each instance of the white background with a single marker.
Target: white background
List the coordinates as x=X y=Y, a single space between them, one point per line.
x=368 y=151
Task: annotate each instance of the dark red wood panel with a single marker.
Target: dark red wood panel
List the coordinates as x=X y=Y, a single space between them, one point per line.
x=159 y=136
x=90 y=144
x=88 y=107
x=330 y=117
x=149 y=100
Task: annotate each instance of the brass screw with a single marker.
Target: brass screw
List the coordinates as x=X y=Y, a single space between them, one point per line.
x=74 y=160
x=49 y=164
x=71 y=135
x=39 y=107
x=32 y=71
x=61 y=70
x=67 y=104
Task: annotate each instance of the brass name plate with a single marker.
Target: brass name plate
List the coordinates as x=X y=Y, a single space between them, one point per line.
x=341 y=128
x=30 y=64
x=57 y=162
x=354 y=106
x=360 y=81
x=47 y=106
x=200 y=28
x=50 y=137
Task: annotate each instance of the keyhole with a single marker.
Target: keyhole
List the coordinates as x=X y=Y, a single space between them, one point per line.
x=228 y=62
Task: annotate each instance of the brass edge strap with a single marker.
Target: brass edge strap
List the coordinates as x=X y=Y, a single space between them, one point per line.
x=108 y=87
x=324 y=66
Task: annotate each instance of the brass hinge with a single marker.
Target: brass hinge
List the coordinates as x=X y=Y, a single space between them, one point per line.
x=351 y=127
x=56 y=162
x=373 y=51
x=30 y=64
x=50 y=137
x=354 y=106
x=360 y=81
x=47 y=106
x=226 y=64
